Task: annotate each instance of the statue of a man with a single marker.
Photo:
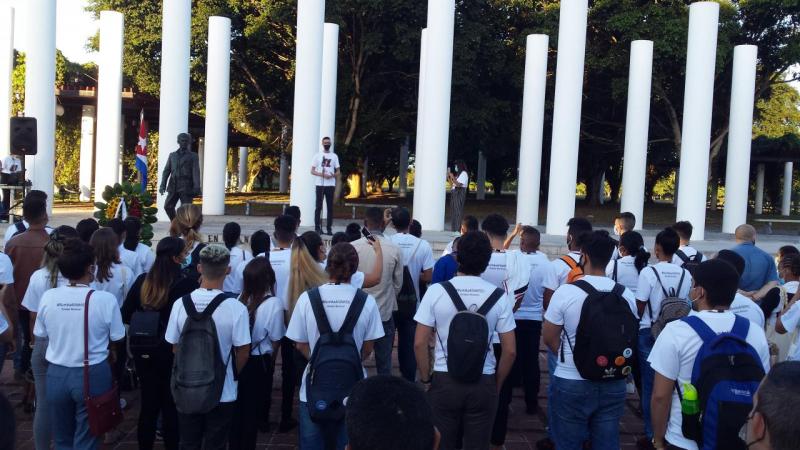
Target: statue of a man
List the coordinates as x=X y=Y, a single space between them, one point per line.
x=181 y=177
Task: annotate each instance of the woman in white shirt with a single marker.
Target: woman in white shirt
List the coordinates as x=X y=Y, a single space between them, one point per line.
x=231 y=233
x=111 y=275
x=133 y=236
x=186 y=225
x=460 y=183
x=633 y=259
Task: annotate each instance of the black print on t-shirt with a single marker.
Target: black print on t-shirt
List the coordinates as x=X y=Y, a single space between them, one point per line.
x=326 y=162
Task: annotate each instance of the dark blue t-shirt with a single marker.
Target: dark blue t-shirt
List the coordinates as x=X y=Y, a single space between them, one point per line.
x=444 y=269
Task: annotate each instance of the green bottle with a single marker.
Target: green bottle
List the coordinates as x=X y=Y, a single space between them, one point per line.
x=689 y=404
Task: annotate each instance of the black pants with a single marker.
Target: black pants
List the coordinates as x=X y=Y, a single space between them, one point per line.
x=10 y=179
x=292 y=366
x=25 y=351
x=461 y=406
x=252 y=402
x=208 y=431
x=186 y=198
x=154 y=379
x=327 y=192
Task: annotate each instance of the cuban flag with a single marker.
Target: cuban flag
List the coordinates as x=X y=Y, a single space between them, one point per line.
x=141 y=151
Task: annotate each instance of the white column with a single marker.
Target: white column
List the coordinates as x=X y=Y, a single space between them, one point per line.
x=423 y=52
x=759 y=203
x=637 y=128
x=174 y=104
x=307 y=93
x=216 y=135
x=6 y=68
x=480 y=181
x=244 y=153
x=109 y=102
x=120 y=147
x=697 y=106
x=431 y=163
x=566 y=115
x=786 y=204
x=330 y=65
x=283 y=182
x=40 y=102
x=740 y=136
x=201 y=156
x=402 y=182
x=85 y=177
x=530 y=149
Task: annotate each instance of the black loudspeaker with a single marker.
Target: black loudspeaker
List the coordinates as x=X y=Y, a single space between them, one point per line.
x=23 y=136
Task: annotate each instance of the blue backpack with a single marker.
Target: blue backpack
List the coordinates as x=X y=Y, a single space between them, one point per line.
x=726 y=374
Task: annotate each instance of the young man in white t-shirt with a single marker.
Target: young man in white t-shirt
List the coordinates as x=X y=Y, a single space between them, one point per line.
x=325 y=168
x=653 y=282
x=623 y=223
x=232 y=322
x=674 y=353
x=585 y=410
x=458 y=407
x=685 y=252
x=468 y=223
x=416 y=254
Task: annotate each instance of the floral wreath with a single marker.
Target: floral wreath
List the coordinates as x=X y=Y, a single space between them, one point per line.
x=126 y=199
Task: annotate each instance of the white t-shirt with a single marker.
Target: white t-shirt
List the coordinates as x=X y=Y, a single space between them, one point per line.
x=650 y=289
x=416 y=253
x=60 y=319
x=12 y=230
x=11 y=164
x=326 y=163
x=448 y=249
x=132 y=261
x=531 y=306
x=743 y=306
x=119 y=284
x=39 y=284
x=357 y=280
x=238 y=257
x=437 y=311
x=496 y=272
x=268 y=327
x=565 y=310
x=627 y=275
x=688 y=251
x=6 y=270
x=146 y=257
x=463 y=180
x=559 y=270
x=233 y=330
x=281 y=262
x=336 y=299
x=791 y=320
x=674 y=353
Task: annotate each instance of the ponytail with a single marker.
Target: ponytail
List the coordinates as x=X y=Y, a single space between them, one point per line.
x=634 y=244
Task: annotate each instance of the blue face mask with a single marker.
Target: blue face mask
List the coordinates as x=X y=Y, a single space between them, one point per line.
x=186 y=261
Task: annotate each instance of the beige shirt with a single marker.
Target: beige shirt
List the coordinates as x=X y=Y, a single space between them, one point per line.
x=385 y=292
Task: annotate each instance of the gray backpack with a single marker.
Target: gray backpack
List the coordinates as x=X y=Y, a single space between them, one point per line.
x=672 y=306
x=198 y=372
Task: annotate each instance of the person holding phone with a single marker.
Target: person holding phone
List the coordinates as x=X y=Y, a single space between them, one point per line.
x=325 y=168
x=459 y=180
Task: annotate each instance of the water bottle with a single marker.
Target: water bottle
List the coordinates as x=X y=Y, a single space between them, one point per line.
x=691 y=425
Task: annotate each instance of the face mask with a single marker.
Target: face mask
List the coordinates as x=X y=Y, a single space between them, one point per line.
x=743 y=435
x=695 y=307
x=326 y=146
x=186 y=261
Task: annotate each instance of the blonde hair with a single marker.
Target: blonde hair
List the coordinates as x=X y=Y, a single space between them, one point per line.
x=304 y=274
x=188 y=220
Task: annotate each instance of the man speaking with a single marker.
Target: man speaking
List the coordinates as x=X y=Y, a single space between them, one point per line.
x=325 y=167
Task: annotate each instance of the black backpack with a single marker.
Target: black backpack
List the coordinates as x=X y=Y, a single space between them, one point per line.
x=606 y=337
x=335 y=364
x=145 y=334
x=407 y=297
x=468 y=337
x=20 y=228
x=190 y=271
x=689 y=262
x=198 y=373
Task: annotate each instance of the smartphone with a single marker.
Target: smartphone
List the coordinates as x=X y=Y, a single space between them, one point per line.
x=367 y=234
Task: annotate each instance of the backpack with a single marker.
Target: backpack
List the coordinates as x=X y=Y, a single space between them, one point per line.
x=689 y=263
x=726 y=374
x=575 y=271
x=607 y=335
x=335 y=364
x=407 y=296
x=614 y=273
x=20 y=228
x=144 y=333
x=672 y=306
x=190 y=271
x=468 y=337
x=198 y=373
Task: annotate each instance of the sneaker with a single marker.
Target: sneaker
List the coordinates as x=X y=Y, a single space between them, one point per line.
x=545 y=444
x=287 y=425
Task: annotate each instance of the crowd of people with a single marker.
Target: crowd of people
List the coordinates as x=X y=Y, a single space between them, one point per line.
x=708 y=342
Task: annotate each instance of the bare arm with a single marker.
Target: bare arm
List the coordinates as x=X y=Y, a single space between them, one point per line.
x=8 y=335
x=426 y=276
x=660 y=406
x=242 y=355
x=512 y=236
x=551 y=335
x=366 y=349
x=640 y=305
x=546 y=296
x=421 y=350
x=759 y=294
x=508 y=344
x=373 y=278
x=303 y=348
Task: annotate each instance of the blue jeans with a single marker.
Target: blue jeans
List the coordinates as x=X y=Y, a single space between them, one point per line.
x=312 y=435
x=406 y=329
x=646 y=342
x=41 y=418
x=552 y=362
x=588 y=410
x=383 y=349
x=68 y=416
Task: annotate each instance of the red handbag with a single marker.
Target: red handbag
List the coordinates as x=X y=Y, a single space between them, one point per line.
x=103 y=410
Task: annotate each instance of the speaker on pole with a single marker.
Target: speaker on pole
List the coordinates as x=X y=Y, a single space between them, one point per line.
x=23 y=136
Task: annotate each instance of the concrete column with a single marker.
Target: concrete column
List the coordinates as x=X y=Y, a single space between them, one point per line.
x=330 y=65
x=6 y=68
x=740 y=136
x=480 y=181
x=244 y=153
x=40 y=78
x=567 y=115
x=216 y=135
x=85 y=177
x=786 y=204
x=759 y=203
x=174 y=104
x=109 y=102
x=307 y=102
x=403 y=175
x=697 y=107
x=530 y=150
x=201 y=156
x=283 y=186
x=431 y=164
x=421 y=100
x=636 y=130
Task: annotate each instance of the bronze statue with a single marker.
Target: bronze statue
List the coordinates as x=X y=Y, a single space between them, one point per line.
x=181 y=177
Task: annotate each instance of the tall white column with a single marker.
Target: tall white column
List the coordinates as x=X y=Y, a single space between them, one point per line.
x=480 y=182
x=636 y=130
x=403 y=173
x=740 y=136
x=431 y=162
x=216 y=135
x=423 y=58
x=88 y=114
x=786 y=204
x=283 y=182
x=566 y=115
x=6 y=68
x=697 y=106
x=530 y=149
x=40 y=78
x=330 y=65
x=307 y=93
x=201 y=156
x=759 y=203
x=109 y=102
x=174 y=103
x=244 y=153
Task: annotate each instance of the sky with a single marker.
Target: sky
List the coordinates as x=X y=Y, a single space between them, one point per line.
x=74 y=26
